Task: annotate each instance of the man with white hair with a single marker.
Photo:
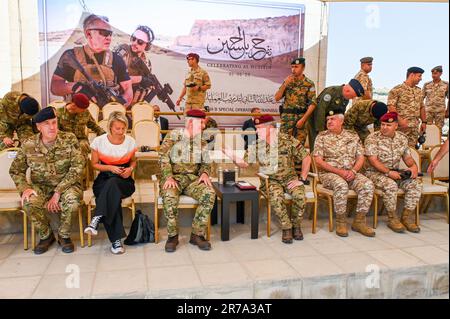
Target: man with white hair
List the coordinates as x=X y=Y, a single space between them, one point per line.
x=339 y=156
x=98 y=61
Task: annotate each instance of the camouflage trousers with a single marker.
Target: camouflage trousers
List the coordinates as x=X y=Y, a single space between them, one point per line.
x=36 y=210
x=436 y=118
x=340 y=187
x=289 y=127
x=413 y=135
x=277 y=191
x=390 y=188
x=189 y=186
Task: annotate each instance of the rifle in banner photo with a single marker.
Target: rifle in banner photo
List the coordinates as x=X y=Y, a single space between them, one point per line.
x=99 y=90
x=162 y=92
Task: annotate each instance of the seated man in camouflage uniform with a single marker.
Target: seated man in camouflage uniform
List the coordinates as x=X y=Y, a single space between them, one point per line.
x=339 y=155
x=16 y=111
x=277 y=154
x=362 y=114
x=56 y=163
x=185 y=170
x=75 y=118
x=385 y=149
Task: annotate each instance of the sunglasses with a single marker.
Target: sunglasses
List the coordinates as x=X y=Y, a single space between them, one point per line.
x=103 y=32
x=139 y=41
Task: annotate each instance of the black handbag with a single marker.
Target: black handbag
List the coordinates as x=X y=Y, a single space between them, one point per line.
x=142 y=230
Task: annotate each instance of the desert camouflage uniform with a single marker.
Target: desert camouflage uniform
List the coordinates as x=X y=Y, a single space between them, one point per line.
x=359 y=116
x=77 y=124
x=278 y=162
x=186 y=160
x=53 y=169
x=408 y=101
x=342 y=151
x=330 y=99
x=435 y=95
x=298 y=97
x=196 y=99
x=366 y=83
x=390 y=152
x=11 y=120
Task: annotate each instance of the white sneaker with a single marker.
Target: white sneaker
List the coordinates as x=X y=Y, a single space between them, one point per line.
x=93 y=226
x=117 y=248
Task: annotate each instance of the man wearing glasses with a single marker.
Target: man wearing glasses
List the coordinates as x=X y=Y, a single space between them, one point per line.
x=135 y=53
x=98 y=61
x=196 y=83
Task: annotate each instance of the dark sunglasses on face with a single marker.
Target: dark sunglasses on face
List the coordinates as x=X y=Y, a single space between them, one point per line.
x=139 y=41
x=103 y=32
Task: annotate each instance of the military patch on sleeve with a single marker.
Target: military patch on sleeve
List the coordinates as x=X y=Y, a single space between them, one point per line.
x=327 y=98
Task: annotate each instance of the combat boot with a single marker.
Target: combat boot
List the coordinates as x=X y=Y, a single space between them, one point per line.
x=44 y=245
x=341 y=225
x=171 y=244
x=200 y=241
x=360 y=226
x=297 y=233
x=287 y=236
x=411 y=227
x=66 y=245
x=394 y=223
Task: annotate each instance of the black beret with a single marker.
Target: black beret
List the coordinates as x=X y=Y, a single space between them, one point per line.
x=438 y=69
x=299 y=61
x=356 y=85
x=379 y=109
x=415 y=70
x=46 y=114
x=28 y=105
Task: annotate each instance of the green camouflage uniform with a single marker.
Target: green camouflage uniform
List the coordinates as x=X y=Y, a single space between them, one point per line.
x=56 y=169
x=408 y=101
x=196 y=99
x=342 y=151
x=359 y=116
x=330 y=99
x=435 y=95
x=12 y=120
x=77 y=124
x=390 y=152
x=185 y=160
x=299 y=96
x=278 y=162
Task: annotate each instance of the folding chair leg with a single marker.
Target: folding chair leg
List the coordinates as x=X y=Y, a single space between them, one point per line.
x=447 y=201
x=269 y=219
x=315 y=218
x=89 y=217
x=133 y=210
x=25 y=231
x=418 y=214
x=427 y=204
x=33 y=236
x=330 y=213
x=80 y=225
x=375 y=213
x=156 y=224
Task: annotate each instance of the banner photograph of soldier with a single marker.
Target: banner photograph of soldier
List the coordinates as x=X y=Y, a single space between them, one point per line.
x=351 y=140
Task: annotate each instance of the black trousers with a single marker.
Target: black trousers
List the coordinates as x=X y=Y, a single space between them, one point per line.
x=109 y=190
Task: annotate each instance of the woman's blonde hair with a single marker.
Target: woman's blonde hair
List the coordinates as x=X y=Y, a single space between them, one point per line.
x=117 y=117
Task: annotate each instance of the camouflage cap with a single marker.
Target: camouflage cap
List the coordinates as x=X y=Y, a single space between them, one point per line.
x=367 y=60
x=438 y=69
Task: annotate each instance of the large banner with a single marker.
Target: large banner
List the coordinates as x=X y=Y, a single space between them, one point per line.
x=245 y=47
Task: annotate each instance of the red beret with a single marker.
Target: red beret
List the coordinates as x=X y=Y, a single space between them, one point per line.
x=390 y=117
x=81 y=100
x=265 y=119
x=193 y=55
x=196 y=113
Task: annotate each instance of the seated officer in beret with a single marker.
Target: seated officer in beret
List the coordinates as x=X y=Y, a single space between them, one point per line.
x=300 y=101
x=186 y=169
x=334 y=98
x=56 y=164
x=363 y=114
x=277 y=154
x=339 y=156
x=385 y=150
x=16 y=112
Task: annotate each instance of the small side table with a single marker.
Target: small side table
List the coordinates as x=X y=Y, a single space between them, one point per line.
x=229 y=194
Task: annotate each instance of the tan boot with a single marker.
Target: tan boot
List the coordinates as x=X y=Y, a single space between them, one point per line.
x=394 y=223
x=360 y=226
x=411 y=227
x=341 y=226
x=287 y=237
